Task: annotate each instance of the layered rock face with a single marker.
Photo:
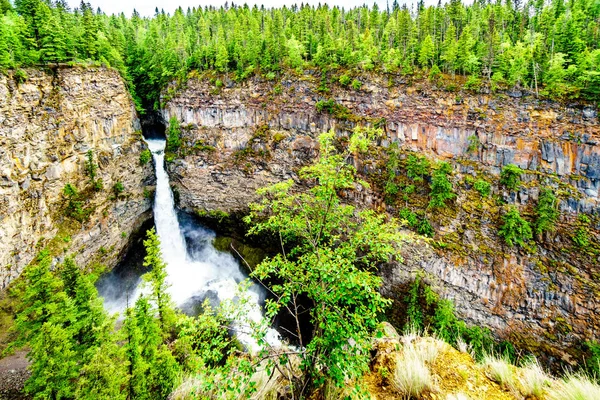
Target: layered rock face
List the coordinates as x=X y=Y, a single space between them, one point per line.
x=47 y=125
x=245 y=136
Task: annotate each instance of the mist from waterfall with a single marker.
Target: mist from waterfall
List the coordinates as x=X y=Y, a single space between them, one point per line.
x=193 y=276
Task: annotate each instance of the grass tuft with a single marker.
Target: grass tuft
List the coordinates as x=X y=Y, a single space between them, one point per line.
x=500 y=371
x=411 y=376
x=574 y=387
x=534 y=380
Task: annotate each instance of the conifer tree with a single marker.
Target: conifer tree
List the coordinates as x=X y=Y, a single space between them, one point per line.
x=54 y=364
x=157 y=280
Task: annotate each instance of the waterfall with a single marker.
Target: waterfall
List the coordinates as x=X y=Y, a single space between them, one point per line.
x=207 y=273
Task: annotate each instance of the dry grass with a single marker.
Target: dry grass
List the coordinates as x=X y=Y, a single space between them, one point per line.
x=463 y=346
x=574 y=387
x=412 y=377
x=534 y=381
x=501 y=371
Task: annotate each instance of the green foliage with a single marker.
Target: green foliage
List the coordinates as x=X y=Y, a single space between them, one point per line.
x=145 y=157
x=91 y=169
x=546 y=211
x=592 y=360
x=512 y=44
x=356 y=84
x=424 y=228
x=420 y=224
x=74 y=207
x=105 y=375
x=334 y=249
x=331 y=107
x=118 y=188
x=435 y=73
x=53 y=363
x=582 y=236
x=473 y=83
x=410 y=217
x=90 y=166
x=510 y=177
x=515 y=230
x=441 y=187
x=173 y=135
x=473 y=143
x=483 y=187
x=156 y=278
x=416 y=167
x=427 y=312
x=345 y=80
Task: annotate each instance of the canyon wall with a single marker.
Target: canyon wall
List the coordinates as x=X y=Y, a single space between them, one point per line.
x=245 y=135
x=48 y=122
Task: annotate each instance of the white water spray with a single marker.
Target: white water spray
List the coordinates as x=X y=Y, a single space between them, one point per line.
x=210 y=272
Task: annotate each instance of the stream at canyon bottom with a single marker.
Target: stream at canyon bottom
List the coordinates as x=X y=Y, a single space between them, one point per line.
x=196 y=270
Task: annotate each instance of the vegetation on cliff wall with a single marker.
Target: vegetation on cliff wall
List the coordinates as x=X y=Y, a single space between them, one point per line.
x=550 y=48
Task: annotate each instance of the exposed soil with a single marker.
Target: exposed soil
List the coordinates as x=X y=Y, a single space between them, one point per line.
x=13 y=374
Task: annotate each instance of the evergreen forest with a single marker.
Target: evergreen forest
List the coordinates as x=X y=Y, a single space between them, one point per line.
x=551 y=48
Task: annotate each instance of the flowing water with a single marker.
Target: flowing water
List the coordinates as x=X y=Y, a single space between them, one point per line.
x=196 y=270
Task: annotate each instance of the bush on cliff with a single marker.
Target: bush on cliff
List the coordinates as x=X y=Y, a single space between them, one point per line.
x=515 y=230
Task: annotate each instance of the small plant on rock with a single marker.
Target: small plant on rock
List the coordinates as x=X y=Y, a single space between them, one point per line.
x=483 y=187
x=510 y=177
x=118 y=188
x=515 y=229
x=441 y=187
x=546 y=211
x=145 y=157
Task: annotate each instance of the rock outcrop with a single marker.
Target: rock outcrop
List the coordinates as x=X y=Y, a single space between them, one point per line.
x=47 y=125
x=244 y=136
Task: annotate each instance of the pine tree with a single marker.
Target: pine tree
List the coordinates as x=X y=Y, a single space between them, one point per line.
x=427 y=52
x=51 y=36
x=54 y=365
x=43 y=301
x=104 y=376
x=91 y=326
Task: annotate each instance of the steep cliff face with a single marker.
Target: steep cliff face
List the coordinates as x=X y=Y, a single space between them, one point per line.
x=47 y=125
x=244 y=136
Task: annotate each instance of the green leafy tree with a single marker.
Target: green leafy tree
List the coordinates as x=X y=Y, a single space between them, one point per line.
x=546 y=211
x=334 y=251
x=515 y=230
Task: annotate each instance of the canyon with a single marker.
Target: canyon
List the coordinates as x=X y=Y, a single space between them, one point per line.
x=245 y=135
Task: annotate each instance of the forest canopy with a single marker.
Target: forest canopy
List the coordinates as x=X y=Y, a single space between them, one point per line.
x=551 y=47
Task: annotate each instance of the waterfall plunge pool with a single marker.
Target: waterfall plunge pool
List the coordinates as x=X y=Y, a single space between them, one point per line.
x=196 y=270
